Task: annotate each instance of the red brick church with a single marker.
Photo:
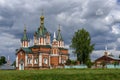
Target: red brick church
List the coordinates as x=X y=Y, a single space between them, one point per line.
x=44 y=53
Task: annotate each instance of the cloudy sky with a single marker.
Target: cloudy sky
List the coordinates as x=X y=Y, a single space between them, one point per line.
x=100 y=17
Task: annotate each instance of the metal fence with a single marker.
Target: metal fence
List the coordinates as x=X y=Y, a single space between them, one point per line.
x=75 y=66
x=112 y=66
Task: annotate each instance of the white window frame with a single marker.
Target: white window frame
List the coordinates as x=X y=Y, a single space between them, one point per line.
x=29 y=61
x=36 y=61
x=45 y=61
x=63 y=61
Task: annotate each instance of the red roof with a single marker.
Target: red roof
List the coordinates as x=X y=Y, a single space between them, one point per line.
x=107 y=58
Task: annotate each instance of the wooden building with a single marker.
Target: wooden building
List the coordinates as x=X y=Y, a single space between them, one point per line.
x=43 y=54
x=106 y=59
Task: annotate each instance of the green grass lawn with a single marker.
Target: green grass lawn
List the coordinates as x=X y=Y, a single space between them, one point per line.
x=61 y=74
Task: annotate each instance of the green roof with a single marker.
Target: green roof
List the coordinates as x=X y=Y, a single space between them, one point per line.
x=24 y=38
x=27 y=50
x=41 y=32
x=59 y=36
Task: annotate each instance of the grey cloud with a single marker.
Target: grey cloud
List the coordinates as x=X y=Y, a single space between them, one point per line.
x=72 y=15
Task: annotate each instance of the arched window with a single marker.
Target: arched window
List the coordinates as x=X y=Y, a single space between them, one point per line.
x=63 y=61
x=29 y=61
x=36 y=61
x=45 y=61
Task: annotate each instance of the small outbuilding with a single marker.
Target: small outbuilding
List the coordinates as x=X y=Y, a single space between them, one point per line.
x=106 y=59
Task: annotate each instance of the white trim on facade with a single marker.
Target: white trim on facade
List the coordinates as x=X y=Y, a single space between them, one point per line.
x=16 y=61
x=49 y=60
x=54 y=54
x=36 y=61
x=59 y=59
x=32 y=60
x=25 y=59
x=44 y=41
x=40 y=60
x=39 y=41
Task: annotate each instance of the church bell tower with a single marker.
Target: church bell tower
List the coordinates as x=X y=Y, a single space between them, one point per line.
x=24 y=40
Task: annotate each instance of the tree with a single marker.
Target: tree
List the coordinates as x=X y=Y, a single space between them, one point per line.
x=2 y=60
x=74 y=62
x=81 y=43
x=89 y=63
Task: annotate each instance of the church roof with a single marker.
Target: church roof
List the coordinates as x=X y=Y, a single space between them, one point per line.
x=42 y=31
x=27 y=50
x=114 y=58
x=24 y=38
x=59 y=36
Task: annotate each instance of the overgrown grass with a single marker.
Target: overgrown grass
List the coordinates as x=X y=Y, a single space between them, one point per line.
x=61 y=74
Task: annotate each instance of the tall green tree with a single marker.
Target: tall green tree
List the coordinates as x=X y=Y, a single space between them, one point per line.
x=81 y=43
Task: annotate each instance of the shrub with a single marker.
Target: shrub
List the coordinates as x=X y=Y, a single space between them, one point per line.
x=89 y=63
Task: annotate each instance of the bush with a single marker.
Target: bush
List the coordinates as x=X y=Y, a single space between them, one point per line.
x=89 y=63
x=116 y=63
x=68 y=62
x=71 y=62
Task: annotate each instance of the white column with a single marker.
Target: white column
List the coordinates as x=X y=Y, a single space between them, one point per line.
x=25 y=44
x=25 y=59
x=32 y=60
x=49 y=60
x=39 y=41
x=60 y=59
x=16 y=61
x=28 y=44
x=19 y=67
x=44 y=42
x=40 y=60
x=49 y=40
